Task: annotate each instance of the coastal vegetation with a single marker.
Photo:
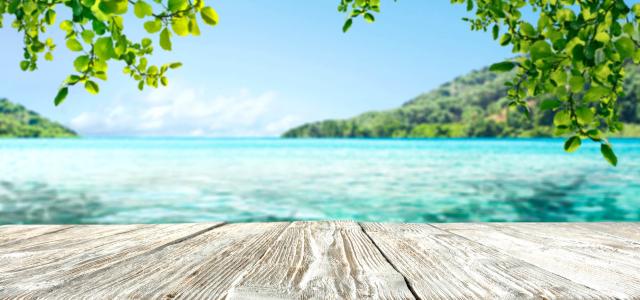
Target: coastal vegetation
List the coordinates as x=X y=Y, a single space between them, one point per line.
x=17 y=121
x=473 y=105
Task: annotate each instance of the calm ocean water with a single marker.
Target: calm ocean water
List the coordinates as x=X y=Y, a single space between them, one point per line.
x=193 y=180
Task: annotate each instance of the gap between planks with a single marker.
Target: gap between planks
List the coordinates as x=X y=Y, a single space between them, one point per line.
x=406 y=280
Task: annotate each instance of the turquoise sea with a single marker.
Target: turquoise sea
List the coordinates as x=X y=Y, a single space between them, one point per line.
x=156 y=180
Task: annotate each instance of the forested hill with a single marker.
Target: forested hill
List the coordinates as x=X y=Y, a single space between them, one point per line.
x=473 y=105
x=17 y=121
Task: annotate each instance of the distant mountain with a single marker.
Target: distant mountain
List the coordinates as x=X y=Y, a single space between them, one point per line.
x=17 y=121
x=473 y=105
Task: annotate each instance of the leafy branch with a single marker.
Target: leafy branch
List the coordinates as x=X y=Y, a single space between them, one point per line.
x=96 y=32
x=577 y=52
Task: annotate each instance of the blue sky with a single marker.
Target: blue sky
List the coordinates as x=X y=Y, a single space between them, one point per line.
x=267 y=66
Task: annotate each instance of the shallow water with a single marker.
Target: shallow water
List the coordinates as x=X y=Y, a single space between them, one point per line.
x=94 y=180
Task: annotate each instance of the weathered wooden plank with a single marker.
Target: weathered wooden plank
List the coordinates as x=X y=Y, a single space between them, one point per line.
x=581 y=238
x=322 y=260
x=14 y=233
x=597 y=260
x=36 y=254
x=72 y=245
x=203 y=267
x=71 y=237
x=31 y=267
x=441 y=265
x=628 y=230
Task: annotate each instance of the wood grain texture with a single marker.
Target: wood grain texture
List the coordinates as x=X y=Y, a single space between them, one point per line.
x=203 y=267
x=16 y=233
x=601 y=261
x=625 y=230
x=441 y=265
x=49 y=261
x=322 y=260
x=65 y=238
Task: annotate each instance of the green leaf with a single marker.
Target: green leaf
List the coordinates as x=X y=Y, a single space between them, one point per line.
x=175 y=65
x=153 y=26
x=572 y=144
x=117 y=7
x=594 y=134
x=193 y=27
x=62 y=94
x=540 y=50
x=369 y=17
x=180 y=26
x=165 y=39
x=595 y=93
x=142 y=64
x=73 y=79
x=504 y=66
x=550 y=104
x=152 y=70
x=559 y=76
x=48 y=56
x=561 y=118
x=81 y=63
x=77 y=9
x=91 y=87
x=50 y=17
x=602 y=37
x=576 y=83
x=636 y=9
x=608 y=154
x=66 y=26
x=104 y=48
x=87 y=36
x=146 y=42
x=209 y=16
x=29 y=6
x=141 y=9
x=98 y=27
x=347 y=25
x=585 y=115
x=505 y=39
x=100 y=65
x=24 y=65
x=527 y=29
x=625 y=47
x=565 y=15
x=74 y=45
x=101 y=75
x=495 y=31
x=628 y=29
x=176 y=5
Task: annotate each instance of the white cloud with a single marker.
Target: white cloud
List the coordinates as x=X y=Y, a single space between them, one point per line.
x=186 y=111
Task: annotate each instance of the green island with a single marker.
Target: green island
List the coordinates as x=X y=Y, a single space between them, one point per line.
x=17 y=121
x=473 y=105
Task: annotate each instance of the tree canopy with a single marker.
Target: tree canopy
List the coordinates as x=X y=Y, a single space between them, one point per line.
x=17 y=121
x=471 y=105
x=575 y=49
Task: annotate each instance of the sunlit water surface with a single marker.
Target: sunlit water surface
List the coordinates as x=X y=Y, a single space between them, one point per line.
x=195 y=180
